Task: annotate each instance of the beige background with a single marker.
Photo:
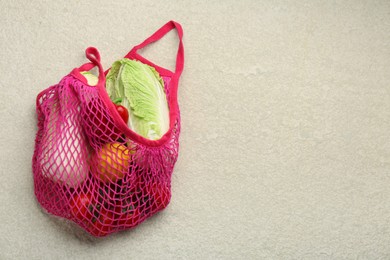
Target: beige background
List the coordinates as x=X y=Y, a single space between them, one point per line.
x=285 y=144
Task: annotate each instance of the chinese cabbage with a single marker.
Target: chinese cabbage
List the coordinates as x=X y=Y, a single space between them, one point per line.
x=142 y=91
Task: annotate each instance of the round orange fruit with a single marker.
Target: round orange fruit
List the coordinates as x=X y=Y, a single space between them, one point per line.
x=112 y=161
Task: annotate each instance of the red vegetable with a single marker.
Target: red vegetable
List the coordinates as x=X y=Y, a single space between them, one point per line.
x=85 y=208
x=122 y=112
x=82 y=207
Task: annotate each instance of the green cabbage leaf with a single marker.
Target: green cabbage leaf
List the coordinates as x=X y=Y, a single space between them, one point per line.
x=142 y=92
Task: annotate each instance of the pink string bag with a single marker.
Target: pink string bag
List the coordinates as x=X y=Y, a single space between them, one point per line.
x=88 y=166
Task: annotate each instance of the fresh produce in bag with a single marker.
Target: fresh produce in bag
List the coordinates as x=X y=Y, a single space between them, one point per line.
x=104 y=158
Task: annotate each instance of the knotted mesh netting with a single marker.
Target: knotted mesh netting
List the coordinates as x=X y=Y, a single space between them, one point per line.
x=87 y=170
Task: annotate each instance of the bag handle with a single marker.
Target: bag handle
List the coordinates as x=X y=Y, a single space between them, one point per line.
x=94 y=56
x=161 y=33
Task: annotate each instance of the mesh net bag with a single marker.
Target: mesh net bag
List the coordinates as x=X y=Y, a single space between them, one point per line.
x=88 y=166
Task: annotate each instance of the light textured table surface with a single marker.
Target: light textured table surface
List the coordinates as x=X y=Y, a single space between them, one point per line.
x=285 y=143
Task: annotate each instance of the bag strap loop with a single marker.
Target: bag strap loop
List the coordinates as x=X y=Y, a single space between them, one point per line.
x=94 y=56
x=161 y=33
